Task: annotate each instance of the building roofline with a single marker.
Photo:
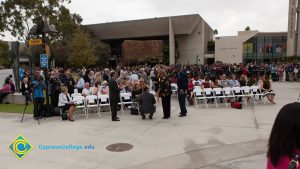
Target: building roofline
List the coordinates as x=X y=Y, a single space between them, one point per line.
x=134 y=20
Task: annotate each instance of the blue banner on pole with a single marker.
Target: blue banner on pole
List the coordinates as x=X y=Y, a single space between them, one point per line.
x=44 y=60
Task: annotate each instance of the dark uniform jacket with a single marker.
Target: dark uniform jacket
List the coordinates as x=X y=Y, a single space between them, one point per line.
x=182 y=81
x=114 y=91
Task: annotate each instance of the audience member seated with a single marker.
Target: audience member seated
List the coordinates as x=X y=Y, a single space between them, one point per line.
x=223 y=81
x=65 y=103
x=234 y=82
x=197 y=81
x=242 y=81
x=136 y=90
x=5 y=90
x=26 y=90
x=104 y=88
x=128 y=87
x=206 y=83
x=266 y=88
x=214 y=82
x=87 y=90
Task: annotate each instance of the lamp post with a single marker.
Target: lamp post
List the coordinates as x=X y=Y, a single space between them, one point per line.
x=43 y=28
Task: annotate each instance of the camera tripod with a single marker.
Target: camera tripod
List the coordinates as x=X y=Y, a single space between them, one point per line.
x=34 y=108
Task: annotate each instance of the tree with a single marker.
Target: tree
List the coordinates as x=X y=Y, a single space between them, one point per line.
x=59 y=51
x=247 y=28
x=81 y=50
x=102 y=52
x=18 y=17
x=4 y=54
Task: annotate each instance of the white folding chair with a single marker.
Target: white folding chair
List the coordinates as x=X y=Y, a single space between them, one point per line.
x=91 y=102
x=208 y=93
x=237 y=91
x=174 y=89
x=76 y=94
x=219 y=95
x=256 y=92
x=228 y=93
x=246 y=90
x=103 y=102
x=80 y=104
x=198 y=96
x=125 y=99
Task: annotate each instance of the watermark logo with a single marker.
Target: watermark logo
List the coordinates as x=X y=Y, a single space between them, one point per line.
x=20 y=147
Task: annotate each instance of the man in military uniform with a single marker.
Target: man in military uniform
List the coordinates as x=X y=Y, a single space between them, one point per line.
x=182 y=87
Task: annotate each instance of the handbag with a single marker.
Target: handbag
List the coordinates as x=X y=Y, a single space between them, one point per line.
x=134 y=111
x=236 y=105
x=64 y=115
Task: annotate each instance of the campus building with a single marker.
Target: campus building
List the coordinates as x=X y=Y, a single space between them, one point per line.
x=184 y=39
x=293 y=37
x=251 y=46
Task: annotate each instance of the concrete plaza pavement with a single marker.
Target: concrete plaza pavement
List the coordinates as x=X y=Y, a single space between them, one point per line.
x=208 y=138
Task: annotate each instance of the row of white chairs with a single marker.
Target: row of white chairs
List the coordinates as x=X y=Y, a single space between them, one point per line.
x=97 y=101
x=228 y=94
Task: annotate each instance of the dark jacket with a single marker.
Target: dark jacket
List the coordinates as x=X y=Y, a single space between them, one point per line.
x=25 y=90
x=146 y=103
x=182 y=81
x=114 y=91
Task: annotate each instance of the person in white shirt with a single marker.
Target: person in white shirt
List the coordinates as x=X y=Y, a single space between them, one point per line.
x=134 y=76
x=65 y=102
x=87 y=90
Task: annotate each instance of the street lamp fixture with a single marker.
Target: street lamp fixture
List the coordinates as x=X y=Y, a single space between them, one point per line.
x=43 y=28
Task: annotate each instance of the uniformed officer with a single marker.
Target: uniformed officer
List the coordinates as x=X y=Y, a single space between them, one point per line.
x=182 y=87
x=165 y=93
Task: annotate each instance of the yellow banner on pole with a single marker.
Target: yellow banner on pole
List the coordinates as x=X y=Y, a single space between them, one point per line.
x=33 y=42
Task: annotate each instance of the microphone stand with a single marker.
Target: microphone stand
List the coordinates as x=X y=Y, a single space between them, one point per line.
x=295 y=162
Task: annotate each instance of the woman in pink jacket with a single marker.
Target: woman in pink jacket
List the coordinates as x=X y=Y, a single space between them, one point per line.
x=284 y=142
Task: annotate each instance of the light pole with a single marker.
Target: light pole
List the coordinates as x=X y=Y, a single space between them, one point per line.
x=43 y=28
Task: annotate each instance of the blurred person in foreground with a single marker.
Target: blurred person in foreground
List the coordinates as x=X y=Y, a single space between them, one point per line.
x=284 y=141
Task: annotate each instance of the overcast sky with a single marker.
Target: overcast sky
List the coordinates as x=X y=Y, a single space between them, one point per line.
x=227 y=16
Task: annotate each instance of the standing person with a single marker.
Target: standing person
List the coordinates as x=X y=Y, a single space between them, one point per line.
x=182 y=85
x=114 y=95
x=165 y=93
x=38 y=87
x=284 y=141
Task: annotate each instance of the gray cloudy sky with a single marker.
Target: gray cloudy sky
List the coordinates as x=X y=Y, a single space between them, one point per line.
x=228 y=16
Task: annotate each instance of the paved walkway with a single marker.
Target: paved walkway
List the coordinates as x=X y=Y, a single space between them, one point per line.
x=208 y=138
